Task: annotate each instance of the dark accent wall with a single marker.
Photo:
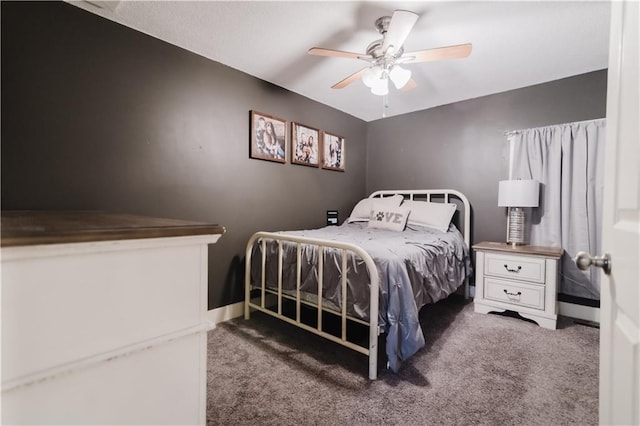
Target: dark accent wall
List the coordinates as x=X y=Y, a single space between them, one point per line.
x=463 y=145
x=98 y=116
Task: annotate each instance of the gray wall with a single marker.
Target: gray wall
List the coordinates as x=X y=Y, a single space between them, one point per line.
x=463 y=146
x=98 y=116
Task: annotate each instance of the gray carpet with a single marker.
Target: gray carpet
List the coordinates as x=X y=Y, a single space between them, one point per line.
x=475 y=369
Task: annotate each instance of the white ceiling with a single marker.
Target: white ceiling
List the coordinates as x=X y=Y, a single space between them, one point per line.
x=515 y=44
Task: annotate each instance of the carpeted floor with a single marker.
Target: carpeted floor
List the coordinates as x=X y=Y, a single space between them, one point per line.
x=475 y=369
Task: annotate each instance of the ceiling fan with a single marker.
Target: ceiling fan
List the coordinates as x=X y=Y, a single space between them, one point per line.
x=387 y=54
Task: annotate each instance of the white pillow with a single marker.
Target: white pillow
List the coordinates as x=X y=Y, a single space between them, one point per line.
x=391 y=218
x=362 y=211
x=434 y=215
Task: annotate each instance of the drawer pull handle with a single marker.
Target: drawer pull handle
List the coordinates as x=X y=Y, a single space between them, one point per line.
x=512 y=294
x=515 y=271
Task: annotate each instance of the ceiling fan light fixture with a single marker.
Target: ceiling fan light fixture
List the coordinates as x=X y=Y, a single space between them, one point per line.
x=400 y=76
x=371 y=76
x=375 y=78
x=381 y=87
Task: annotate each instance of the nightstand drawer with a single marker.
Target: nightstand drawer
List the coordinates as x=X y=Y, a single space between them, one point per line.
x=531 y=296
x=515 y=267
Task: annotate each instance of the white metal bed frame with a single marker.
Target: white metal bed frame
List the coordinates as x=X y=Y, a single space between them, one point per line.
x=442 y=195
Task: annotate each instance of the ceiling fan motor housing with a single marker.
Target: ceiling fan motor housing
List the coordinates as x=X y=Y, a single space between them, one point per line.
x=375 y=48
x=379 y=55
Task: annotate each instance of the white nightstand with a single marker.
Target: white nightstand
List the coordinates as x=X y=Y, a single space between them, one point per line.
x=521 y=279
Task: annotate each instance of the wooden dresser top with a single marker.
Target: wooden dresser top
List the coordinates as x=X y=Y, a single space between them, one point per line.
x=23 y=228
x=522 y=249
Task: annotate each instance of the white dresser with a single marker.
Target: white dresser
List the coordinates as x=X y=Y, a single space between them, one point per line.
x=103 y=318
x=522 y=279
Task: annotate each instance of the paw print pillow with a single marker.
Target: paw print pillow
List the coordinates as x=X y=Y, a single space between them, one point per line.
x=362 y=211
x=393 y=219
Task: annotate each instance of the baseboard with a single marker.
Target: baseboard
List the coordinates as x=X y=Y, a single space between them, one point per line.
x=587 y=313
x=235 y=310
x=225 y=313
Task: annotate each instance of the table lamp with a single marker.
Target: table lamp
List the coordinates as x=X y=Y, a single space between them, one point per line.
x=517 y=194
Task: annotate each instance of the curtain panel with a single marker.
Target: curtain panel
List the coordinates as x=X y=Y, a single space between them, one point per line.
x=567 y=160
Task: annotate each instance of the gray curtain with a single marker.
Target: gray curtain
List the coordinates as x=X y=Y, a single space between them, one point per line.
x=567 y=159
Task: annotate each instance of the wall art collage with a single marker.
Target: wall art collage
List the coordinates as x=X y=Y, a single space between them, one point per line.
x=308 y=146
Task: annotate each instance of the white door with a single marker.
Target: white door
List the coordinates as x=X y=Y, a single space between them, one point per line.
x=620 y=295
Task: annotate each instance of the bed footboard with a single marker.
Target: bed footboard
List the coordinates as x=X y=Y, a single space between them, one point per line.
x=346 y=249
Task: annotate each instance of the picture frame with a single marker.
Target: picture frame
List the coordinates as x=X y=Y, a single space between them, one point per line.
x=305 y=145
x=268 y=137
x=333 y=152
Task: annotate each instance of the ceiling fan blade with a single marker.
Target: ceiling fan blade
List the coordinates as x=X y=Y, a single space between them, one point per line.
x=437 y=54
x=319 y=51
x=411 y=84
x=353 y=77
x=401 y=24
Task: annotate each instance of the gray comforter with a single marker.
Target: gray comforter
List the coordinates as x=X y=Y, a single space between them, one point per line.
x=416 y=266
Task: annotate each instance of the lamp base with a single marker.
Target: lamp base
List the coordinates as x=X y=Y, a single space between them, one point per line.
x=515 y=226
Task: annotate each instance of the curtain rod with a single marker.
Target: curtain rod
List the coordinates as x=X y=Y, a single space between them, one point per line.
x=513 y=132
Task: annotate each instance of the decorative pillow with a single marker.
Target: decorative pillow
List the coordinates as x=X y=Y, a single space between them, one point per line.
x=362 y=211
x=391 y=218
x=433 y=215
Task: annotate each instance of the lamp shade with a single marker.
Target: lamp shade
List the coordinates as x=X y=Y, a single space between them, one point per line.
x=371 y=75
x=399 y=76
x=375 y=78
x=518 y=193
x=381 y=87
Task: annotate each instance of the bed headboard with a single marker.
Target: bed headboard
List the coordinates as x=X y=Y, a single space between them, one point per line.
x=462 y=218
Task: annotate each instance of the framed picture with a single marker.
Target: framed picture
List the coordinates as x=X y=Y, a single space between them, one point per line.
x=268 y=137
x=333 y=152
x=305 y=145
